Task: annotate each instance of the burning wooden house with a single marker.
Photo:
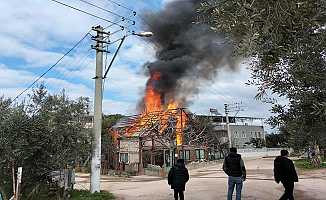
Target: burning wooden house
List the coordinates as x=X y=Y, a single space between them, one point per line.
x=162 y=132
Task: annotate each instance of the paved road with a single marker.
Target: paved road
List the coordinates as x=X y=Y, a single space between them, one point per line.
x=210 y=183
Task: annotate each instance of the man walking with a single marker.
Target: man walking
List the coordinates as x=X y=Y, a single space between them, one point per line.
x=178 y=177
x=284 y=172
x=234 y=167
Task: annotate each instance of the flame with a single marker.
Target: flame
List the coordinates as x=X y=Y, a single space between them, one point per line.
x=115 y=135
x=152 y=98
x=155 y=110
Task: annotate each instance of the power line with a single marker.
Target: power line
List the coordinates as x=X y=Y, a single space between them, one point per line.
x=90 y=14
x=122 y=6
x=122 y=29
x=105 y=68
x=123 y=18
x=82 y=61
x=36 y=80
x=133 y=23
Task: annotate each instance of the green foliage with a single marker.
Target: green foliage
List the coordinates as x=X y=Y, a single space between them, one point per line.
x=285 y=41
x=86 y=195
x=257 y=142
x=276 y=140
x=306 y=164
x=108 y=122
x=108 y=149
x=42 y=134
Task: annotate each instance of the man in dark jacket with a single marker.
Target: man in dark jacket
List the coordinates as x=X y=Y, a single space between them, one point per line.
x=178 y=177
x=234 y=167
x=284 y=172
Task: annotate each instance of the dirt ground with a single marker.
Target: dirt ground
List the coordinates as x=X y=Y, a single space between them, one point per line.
x=210 y=183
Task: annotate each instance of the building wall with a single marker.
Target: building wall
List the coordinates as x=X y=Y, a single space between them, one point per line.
x=130 y=146
x=240 y=134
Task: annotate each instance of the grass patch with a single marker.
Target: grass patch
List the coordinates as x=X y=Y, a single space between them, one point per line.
x=306 y=164
x=86 y=195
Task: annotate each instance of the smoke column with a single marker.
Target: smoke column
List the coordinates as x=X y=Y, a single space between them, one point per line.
x=188 y=53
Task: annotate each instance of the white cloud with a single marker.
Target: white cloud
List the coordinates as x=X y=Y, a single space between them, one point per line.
x=121 y=107
x=12 y=48
x=73 y=90
x=12 y=82
x=229 y=87
x=12 y=78
x=36 y=30
x=44 y=22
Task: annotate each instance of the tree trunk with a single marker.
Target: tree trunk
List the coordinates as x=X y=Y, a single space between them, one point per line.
x=316 y=159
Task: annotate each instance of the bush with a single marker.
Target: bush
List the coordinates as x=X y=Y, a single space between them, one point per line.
x=44 y=133
x=306 y=164
x=86 y=195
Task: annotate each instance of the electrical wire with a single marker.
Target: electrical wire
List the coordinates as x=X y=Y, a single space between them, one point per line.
x=123 y=18
x=115 y=41
x=105 y=68
x=36 y=80
x=117 y=31
x=122 y=6
x=126 y=28
x=133 y=14
x=82 y=61
x=133 y=23
x=90 y=14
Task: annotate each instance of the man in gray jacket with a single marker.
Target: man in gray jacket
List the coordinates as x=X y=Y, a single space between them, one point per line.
x=234 y=167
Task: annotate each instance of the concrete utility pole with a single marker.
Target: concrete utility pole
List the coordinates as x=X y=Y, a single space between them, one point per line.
x=226 y=109
x=99 y=47
x=97 y=127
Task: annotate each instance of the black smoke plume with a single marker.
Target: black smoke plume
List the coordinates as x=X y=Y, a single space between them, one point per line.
x=188 y=53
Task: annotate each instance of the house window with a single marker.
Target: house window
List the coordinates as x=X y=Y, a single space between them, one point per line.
x=186 y=154
x=243 y=134
x=200 y=154
x=235 y=134
x=259 y=135
x=124 y=157
x=255 y=134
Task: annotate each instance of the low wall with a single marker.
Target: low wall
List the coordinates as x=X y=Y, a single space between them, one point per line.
x=153 y=170
x=202 y=164
x=259 y=153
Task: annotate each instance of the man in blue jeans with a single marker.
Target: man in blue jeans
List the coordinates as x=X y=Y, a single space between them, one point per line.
x=234 y=167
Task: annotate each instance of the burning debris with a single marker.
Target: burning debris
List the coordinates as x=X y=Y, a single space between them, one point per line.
x=164 y=126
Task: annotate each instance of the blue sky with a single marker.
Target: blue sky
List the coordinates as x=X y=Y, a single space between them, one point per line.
x=36 y=34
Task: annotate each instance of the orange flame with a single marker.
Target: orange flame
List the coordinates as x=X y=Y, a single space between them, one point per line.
x=152 y=98
x=154 y=102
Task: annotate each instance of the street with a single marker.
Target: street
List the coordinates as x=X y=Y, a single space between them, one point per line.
x=210 y=184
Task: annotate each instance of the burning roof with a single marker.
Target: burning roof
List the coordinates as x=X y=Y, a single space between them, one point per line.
x=154 y=123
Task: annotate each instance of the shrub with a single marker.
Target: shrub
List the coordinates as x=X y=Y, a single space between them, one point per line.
x=86 y=195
